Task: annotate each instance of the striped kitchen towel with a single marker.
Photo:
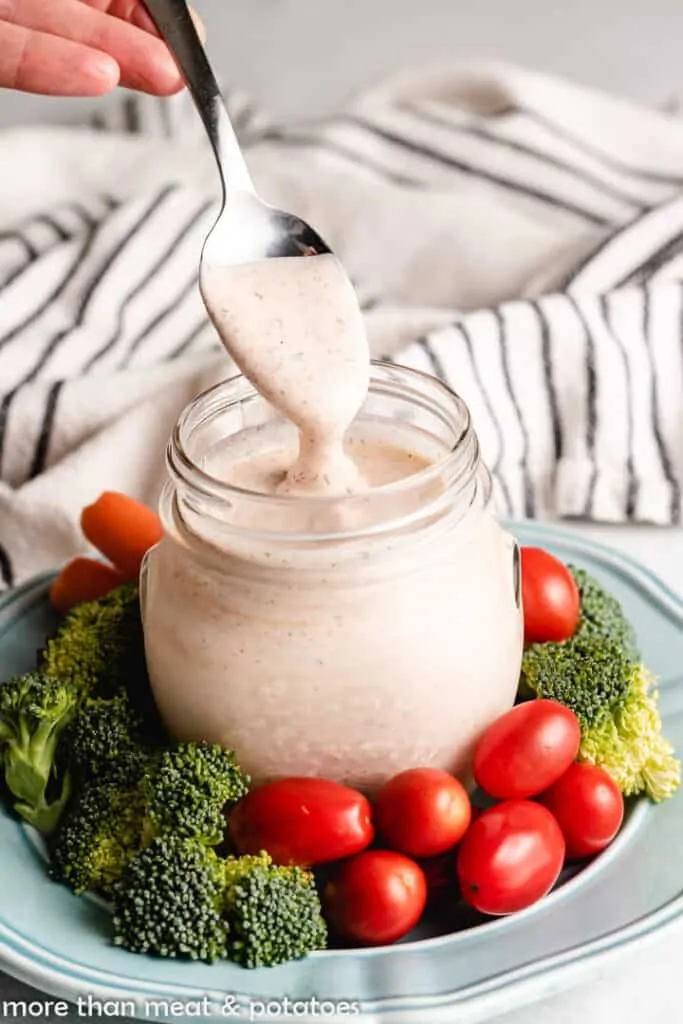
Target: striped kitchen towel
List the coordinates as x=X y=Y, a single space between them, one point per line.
x=519 y=236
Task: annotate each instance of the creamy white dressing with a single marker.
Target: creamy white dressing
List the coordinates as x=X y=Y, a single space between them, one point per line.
x=294 y=328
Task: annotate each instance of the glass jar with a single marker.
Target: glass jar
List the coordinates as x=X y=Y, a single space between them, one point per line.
x=346 y=637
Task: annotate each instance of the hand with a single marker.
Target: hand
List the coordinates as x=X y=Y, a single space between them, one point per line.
x=82 y=48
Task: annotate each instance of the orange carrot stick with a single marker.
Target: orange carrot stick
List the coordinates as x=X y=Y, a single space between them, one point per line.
x=122 y=529
x=83 y=579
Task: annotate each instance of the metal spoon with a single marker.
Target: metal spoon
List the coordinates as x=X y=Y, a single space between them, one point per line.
x=247 y=229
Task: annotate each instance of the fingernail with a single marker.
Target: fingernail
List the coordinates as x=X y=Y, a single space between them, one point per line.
x=105 y=70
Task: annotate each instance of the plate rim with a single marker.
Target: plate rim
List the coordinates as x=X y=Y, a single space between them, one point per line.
x=518 y=986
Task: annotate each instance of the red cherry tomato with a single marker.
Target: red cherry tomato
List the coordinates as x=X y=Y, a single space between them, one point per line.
x=422 y=812
x=550 y=597
x=510 y=858
x=589 y=808
x=375 y=898
x=526 y=750
x=302 y=821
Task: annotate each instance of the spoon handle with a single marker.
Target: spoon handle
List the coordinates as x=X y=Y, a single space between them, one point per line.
x=174 y=22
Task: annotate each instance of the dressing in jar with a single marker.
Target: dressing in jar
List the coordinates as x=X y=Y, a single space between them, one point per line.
x=347 y=636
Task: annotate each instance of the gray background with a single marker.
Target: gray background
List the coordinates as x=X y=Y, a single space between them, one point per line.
x=303 y=56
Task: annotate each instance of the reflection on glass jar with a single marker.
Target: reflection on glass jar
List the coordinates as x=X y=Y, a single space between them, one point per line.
x=347 y=637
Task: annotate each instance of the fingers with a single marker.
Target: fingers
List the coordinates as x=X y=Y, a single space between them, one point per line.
x=141 y=19
x=144 y=61
x=133 y=11
x=35 y=62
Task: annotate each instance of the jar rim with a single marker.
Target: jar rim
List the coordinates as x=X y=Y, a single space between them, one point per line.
x=459 y=461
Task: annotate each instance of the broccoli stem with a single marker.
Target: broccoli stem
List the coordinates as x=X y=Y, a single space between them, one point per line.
x=44 y=816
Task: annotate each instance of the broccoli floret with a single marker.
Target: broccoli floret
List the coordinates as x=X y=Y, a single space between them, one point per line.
x=616 y=704
x=97 y=836
x=273 y=912
x=190 y=788
x=629 y=744
x=602 y=615
x=169 y=901
x=99 y=646
x=108 y=738
x=589 y=674
x=34 y=711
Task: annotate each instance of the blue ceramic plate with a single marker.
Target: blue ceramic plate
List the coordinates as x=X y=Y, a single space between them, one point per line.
x=456 y=968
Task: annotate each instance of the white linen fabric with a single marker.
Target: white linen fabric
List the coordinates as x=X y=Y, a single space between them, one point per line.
x=519 y=236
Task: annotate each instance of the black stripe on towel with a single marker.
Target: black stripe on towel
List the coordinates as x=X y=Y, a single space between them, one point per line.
x=657 y=177
x=654 y=263
x=31 y=254
x=131 y=112
x=85 y=301
x=163 y=106
x=6 y=572
x=4 y=412
x=17 y=235
x=529 y=499
x=434 y=360
x=622 y=242
x=664 y=455
x=51 y=223
x=157 y=320
x=436 y=156
x=495 y=469
x=338 y=149
x=591 y=402
x=188 y=341
x=84 y=215
x=632 y=481
x=43 y=444
x=91 y=290
x=149 y=275
x=119 y=250
x=62 y=234
x=549 y=377
x=80 y=257
x=515 y=146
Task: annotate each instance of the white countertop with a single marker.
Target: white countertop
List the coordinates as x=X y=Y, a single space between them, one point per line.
x=636 y=988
